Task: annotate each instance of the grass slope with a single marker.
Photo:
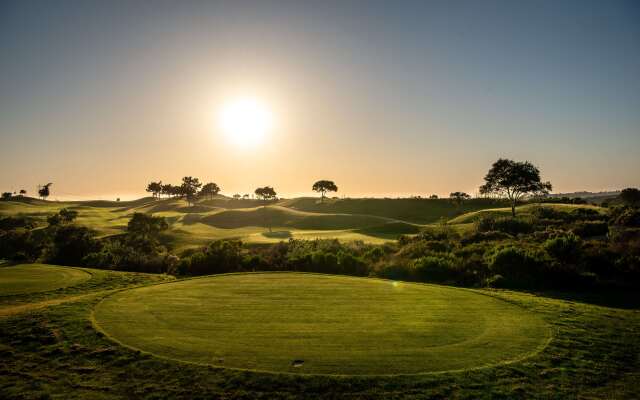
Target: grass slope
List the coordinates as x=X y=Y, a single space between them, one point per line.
x=418 y=211
x=329 y=324
x=29 y=278
x=520 y=211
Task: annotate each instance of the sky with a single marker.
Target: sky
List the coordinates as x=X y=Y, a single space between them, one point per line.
x=386 y=98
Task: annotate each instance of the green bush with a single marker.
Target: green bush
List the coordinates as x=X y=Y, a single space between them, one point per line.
x=586 y=229
x=436 y=269
x=519 y=267
x=566 y=248
x=512 y=226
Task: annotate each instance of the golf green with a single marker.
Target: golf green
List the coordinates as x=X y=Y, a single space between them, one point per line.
x=31 y=278
x=321 y=324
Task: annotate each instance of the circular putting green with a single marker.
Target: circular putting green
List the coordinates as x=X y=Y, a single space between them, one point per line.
x=320 y=324
x=31 y=278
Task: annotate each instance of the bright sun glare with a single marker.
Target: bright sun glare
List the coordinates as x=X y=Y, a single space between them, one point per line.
x=245 y=121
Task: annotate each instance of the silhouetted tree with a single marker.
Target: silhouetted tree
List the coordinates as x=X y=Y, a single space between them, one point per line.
x=23 y=192
x=189 y=188
x=433 y=196
x=236 y=196
x=323 y=187
x=513 y=180
x=630 y=196
x=458 y=198
x=6 y=196
x=266 y=193
x=155 y=188
x=210 y=189
x=43 y=191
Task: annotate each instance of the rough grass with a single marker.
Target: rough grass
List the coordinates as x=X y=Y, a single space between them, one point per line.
x=55 y=352
x=30 y=278
x=321 y=324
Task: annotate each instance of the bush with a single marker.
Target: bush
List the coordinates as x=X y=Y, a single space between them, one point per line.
x=218 y=257
x=565 y=248
x=519 y=267
x=627 y=217
x=436 y=269
x=512 y=226
x=477 y=237
x=70 y=244
x=586 y=229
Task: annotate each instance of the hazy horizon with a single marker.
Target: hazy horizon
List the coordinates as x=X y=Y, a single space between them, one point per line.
x=386 y=99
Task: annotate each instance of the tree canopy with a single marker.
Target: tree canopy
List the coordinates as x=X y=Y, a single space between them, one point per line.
x=209 y=190
x=323 y=187
x=630 y=196
x=459 y=197
x=514 y=180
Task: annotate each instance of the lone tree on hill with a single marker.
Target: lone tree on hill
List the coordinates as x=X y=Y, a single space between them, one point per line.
x=43 y=191
x=155 y=188
x=513 y=180
x=323 y=187
x=630 y=196
x=23 y=192
x=209 y=190
x=266 y=193
x=189 y=188
x=458 y=198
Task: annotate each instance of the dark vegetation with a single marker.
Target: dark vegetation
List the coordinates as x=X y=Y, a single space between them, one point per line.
x=579 y=249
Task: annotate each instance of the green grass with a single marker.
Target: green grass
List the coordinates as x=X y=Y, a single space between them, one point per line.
x=55 y=352
x=30 y=278
x=334 y=325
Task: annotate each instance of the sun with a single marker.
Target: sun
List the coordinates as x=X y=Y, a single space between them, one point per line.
x=245 y=121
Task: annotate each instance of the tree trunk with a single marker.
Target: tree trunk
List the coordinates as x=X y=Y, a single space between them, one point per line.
x=513 y=209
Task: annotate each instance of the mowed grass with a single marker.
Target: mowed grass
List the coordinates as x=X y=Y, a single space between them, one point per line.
x=32 y=278
x=321 y=324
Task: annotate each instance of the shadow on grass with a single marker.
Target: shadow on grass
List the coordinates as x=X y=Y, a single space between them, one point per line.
x=607 y=297
x=277 y=234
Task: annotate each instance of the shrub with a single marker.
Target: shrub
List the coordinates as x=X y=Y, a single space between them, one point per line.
x=9 y=223
x=70 y=244
x=586 y=229
x=436 y=269
x=565 y=248
x=627 y=217
x=352 y=265
x=218 y=257
x=477 y=237
x=512 y=226
x=519 y=267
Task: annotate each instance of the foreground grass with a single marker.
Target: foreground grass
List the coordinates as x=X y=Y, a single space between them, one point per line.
x=30 y=278
x=56 y=353
x=321 y=324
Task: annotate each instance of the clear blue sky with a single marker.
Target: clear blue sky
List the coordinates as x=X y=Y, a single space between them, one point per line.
x=386 y=98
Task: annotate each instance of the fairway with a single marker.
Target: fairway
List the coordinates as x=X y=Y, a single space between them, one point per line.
x=31 y=278
x=321 y=324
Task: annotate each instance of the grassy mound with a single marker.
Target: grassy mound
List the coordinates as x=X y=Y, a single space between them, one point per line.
x=321 y=324
x=283 y=217
x=420 y=211
x=521 y=211
x=31 y=278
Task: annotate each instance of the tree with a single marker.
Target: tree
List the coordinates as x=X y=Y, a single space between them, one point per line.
x=513 y=180
x=630 y=196
x=458 y=198
x=433 y=197
x=23 y=192
x=43 y=191
x=167 y=190
x=210 y=190
x=245 y=196
x=68 y=216
x=236 y=196
x=143 y=231
x=265 y=193
x=189 y=188
x=323 y=187
x=155 y=188
x=6 y=196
